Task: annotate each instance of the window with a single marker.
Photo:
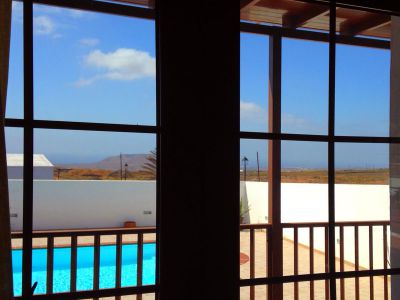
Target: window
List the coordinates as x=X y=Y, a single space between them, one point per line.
x=82 y=150
x=325 y=204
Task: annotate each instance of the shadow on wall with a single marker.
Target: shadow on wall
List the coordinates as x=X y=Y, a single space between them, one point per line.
x=244 y=205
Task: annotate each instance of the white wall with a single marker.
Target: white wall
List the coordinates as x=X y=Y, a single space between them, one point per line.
x=17 y=172
x=309 y=203
x=64 y=204
x=68 y=204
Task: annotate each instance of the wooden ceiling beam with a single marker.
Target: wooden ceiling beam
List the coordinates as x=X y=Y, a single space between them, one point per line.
x=312 y=11
x=356 y=26
x=248 y=3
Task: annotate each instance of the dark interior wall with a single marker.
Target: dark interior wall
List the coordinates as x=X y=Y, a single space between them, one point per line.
x=199 y=157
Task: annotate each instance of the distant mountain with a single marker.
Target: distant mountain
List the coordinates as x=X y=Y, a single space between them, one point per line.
x=135 y=163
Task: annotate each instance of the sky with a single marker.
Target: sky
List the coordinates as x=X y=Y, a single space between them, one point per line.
x=101 y=68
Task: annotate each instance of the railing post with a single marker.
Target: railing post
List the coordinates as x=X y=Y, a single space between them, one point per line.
x=74 y=245
x=96 y=263
x=139 y=272
x=356 y=262
x=311 y=250
x=296 y=260
x=50 y=265
x=326 y=227
x=341 y=251
x=385 y=262
x=269 y=262
x=118 y=263
x=371 y=261
x=252 y=262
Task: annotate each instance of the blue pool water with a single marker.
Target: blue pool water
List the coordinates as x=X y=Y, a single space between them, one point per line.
x=84 y=280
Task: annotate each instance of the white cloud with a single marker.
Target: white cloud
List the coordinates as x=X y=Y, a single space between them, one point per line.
x=295 y=124
x=85 y=81
x=252 y=112
x=43 y=25
x=89 y=42
x=17 y=11
x=122 y=64
x=53 y=10
x=48 y=9
x=74 y=13
x=16 y=5
x=253 y=115
x=291 y=120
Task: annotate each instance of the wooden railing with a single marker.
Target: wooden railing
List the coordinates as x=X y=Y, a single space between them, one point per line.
x=96 y=234
x=254 y=231
x=265 y=229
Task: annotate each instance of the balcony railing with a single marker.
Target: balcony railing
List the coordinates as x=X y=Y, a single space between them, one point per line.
x=315 y=240
x=96 y=234
x=315 y=247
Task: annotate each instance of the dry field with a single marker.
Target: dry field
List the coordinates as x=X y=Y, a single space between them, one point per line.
x=344 y=176
x=100 y=174
x=347 y=176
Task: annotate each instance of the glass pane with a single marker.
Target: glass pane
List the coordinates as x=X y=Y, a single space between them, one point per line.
x=94 y=161
x=304 y=199
x=253 y=207
x=15 y=163
x=305 y=70
x=254 y=82
x=255 y=292
x=306 y=290
x=15 y=89
x=362 y=212
x=254 y=177
x=101 y=181
x=362 y=178
x=106 y=77
x=359 y=288
x=362 y=91
x=304 y=182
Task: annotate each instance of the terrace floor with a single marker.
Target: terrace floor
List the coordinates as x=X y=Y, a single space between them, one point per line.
x=304 y=268
x=260 y=267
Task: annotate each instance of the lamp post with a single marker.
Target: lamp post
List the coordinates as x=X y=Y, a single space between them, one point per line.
x=245 y=160
x=126 y=170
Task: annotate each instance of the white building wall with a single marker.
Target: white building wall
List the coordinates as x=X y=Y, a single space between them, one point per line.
x=69 y=204
x=17 y=172
x=64 y=204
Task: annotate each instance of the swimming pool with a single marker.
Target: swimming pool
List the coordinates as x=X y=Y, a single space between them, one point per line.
x=85 y=259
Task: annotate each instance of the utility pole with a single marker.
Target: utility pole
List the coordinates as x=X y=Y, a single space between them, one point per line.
x=120 y=165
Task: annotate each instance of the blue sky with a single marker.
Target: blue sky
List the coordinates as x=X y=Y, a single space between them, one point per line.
x=362 y=101
x=101 y=68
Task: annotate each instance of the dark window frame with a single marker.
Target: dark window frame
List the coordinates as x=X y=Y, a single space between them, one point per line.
x=28 y=124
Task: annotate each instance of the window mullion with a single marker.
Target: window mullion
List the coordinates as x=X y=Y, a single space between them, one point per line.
x=331 y=145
